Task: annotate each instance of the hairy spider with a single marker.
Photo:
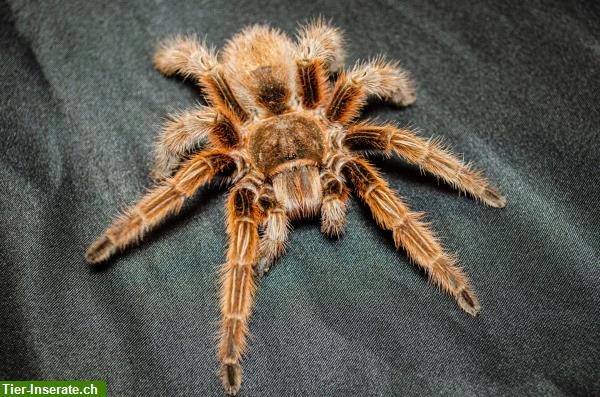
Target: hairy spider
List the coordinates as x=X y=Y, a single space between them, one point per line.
x=281 y=127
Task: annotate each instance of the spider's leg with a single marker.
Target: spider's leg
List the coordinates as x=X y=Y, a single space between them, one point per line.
x=333 y=207
x=276 y=228
x=184 y=131
x=320 y=52
x=385 y=80
x=409 y=232
x=238 y=280
x=320 y=41
x=312 y=82
x=427 y=154
x=188 y=57
x=377 y=77
x=346 y=99
x=164 y=199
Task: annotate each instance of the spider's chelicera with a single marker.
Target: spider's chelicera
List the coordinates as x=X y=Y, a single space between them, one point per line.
x=280 y=125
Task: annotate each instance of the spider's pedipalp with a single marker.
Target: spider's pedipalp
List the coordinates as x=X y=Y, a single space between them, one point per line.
x=164 y=199
x=238 y=282
x=410 y=233
x=318 y=40
x=333 y=207
x=188 y=57
x=260 y=63
x=385 y=80
x=427 y=154
x=275 y=229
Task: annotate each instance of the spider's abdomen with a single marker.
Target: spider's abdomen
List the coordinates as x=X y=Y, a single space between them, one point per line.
x=286 y=141
x=261 y=60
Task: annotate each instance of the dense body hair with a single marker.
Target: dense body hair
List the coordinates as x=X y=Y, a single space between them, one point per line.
x=280 y=125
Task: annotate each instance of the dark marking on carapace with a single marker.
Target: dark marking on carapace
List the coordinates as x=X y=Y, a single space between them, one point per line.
x=286 y=138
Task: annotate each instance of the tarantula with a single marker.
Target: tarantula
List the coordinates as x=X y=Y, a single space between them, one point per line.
x=280 y=126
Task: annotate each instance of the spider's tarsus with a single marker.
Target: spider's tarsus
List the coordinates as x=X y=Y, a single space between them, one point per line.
x=468 y=302
x=404 y=98
x=494 y=198
x=333 y=218
x=262 y=267
x=100 y=251
x=158 y=175
x=231 y=376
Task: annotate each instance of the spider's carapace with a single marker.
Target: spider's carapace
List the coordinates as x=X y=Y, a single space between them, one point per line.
x=281 y=124
x=274 y=149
